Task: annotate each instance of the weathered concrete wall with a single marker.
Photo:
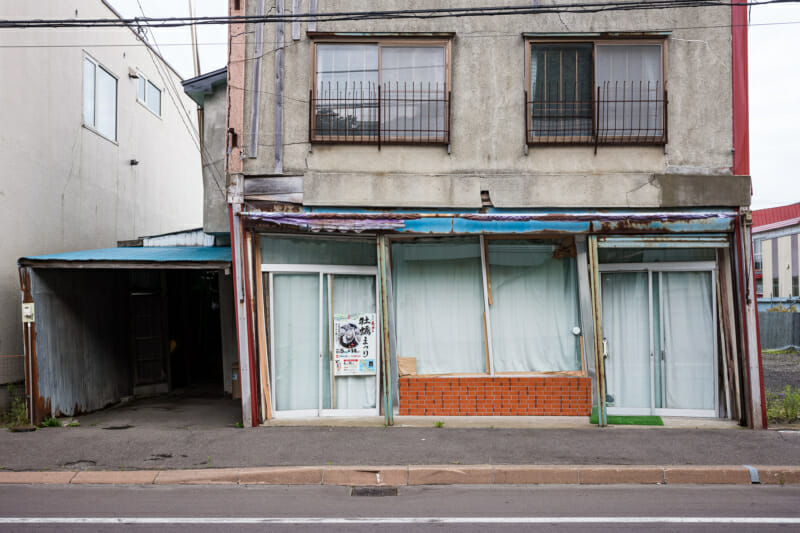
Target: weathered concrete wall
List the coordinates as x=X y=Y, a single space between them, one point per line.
x=64 y=187
x=215 y=211
x=779 y=329
x=488 y=140
x=82 y=346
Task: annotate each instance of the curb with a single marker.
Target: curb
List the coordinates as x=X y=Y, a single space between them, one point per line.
x=409 y=475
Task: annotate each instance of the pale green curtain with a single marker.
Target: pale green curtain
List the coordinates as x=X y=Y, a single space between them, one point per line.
x=354 y=295
x=438 y=296
x=534 y=309
x=296 y=316
x=688 y=340
x=626 y=325
x=320 y=250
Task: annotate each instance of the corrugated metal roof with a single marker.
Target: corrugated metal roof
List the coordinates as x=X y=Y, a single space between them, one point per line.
x=776 y=225
x=784 y=215
x=144 y=254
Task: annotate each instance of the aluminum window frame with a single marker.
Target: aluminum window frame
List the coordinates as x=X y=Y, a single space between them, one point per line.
x=380 y=41
x=594 y=40
x=144 y=78
x=483 y=242
x=93 y=126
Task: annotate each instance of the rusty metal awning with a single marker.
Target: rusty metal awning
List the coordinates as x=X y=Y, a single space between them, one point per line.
x=608 y=223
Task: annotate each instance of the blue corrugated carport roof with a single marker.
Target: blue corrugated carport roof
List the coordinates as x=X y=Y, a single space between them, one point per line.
x=144 y=254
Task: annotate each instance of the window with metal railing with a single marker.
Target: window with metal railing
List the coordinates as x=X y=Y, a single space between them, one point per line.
x=380 y=93
x=595 y=93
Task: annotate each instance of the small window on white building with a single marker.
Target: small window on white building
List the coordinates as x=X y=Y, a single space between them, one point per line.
x=99 y=99
x=149 y=95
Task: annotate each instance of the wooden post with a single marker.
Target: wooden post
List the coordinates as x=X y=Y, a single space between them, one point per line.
x=263 y=367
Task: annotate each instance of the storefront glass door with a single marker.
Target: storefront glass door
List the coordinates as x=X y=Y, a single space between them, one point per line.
x=324 y=340
x=659 y=336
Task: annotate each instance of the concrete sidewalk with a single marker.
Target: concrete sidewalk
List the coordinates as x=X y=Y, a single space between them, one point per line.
x=162 y=439
x=394 y=476
x=115 y=447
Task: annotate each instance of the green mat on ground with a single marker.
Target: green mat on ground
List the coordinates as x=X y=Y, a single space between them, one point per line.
x=619 y=420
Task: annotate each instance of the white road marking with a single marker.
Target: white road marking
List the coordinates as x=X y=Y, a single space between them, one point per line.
x=410 y=520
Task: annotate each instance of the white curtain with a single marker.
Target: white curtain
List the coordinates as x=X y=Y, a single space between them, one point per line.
x=354 y=295
x=438 y=296
x=345 y=67
x=688 y=340
x=296 y=316
x=534 y=308
x=628 y=75
x=413 y=85
x=626 y=326
x=318 y=250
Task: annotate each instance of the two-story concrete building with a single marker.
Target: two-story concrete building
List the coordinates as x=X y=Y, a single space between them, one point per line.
x=529 y=213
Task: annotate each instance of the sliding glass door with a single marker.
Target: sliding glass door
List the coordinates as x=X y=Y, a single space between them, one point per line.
x=324 y=340
x=659 y=337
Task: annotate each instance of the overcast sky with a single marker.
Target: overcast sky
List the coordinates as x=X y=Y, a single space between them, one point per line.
x=774 y=79
x=774 y=65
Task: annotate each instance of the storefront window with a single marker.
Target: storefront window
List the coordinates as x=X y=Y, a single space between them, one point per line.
x=534 y=307
x=320 y=250
x=656 y=255
x=438 y=289
x=438 y=298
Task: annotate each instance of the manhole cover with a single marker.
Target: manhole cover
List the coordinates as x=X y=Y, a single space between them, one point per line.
x=374 y=491
x=125 y=426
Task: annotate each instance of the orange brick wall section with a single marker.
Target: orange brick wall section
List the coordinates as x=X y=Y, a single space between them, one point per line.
x=487 y=396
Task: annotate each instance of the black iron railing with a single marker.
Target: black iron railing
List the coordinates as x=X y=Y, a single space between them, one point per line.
x=619 y=113
x=392 y=113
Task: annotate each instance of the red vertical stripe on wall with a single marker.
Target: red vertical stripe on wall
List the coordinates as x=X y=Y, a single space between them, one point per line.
x=741 y=126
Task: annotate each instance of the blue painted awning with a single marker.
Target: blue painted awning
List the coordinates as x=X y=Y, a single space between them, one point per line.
x=153 y=256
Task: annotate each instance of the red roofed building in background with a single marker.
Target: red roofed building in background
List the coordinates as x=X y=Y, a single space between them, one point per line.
x=775 y=249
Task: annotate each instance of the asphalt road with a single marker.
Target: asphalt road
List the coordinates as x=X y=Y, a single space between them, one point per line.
x=462 y=508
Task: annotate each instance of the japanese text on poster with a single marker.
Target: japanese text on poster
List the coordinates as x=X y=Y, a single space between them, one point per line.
x=354 y=345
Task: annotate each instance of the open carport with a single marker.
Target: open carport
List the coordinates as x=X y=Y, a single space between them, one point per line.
x=105 y=325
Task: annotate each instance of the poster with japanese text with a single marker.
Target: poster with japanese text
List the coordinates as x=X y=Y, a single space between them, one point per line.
x=355 y=345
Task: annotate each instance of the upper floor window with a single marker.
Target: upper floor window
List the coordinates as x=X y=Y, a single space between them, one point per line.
x=381 y=92
x=148 y=94
x=99 y=99
x=595 y=93
x=757 y=254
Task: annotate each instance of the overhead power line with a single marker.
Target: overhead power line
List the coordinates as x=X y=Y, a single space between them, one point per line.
x=433 y=13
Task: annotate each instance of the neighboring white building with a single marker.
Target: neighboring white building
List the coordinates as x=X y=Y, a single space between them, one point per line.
x=775 y=250
x=98 y=143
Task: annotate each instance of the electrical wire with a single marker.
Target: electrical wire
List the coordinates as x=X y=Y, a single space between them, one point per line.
x=175 y=96
x=430 y=13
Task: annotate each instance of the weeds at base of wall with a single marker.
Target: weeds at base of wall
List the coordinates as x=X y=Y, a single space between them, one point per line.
x=51 y=422
x=17 y=415
x=784 y=406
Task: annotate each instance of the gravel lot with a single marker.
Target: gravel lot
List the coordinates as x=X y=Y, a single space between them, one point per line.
x=781 y=370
